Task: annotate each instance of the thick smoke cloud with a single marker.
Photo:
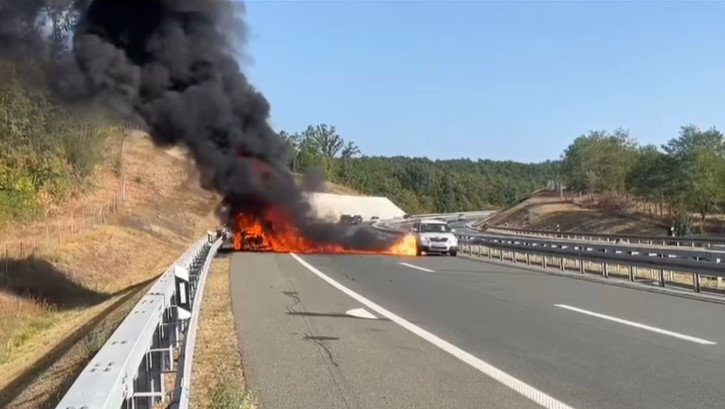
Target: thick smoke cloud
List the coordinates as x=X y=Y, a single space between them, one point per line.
x=39 y=32
x=172 y=63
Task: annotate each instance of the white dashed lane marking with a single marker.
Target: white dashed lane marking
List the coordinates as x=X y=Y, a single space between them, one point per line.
x=637 y=325
x=417 y=268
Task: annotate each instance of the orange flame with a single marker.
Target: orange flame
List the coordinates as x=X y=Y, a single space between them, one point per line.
x=274 y=233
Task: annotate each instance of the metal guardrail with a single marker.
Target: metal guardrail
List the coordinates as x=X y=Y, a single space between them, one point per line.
x=129 y=370
x=630 y=238
x=696 y=262
x=482 y=213
x=662 y=259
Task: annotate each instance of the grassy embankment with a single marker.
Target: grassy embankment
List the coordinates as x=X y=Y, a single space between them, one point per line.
x=545 y=210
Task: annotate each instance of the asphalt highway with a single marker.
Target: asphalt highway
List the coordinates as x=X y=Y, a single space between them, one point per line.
x=334 y=331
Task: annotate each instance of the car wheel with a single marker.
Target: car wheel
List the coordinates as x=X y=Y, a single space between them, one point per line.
x=453 y=253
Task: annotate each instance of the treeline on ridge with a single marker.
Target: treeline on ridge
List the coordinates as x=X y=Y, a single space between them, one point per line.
x=685 y=175
x=418 y=185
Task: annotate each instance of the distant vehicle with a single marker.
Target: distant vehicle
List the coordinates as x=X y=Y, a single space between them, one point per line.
x=461 y=217
x=375 y=218
x=350 y=219
x=435 y=236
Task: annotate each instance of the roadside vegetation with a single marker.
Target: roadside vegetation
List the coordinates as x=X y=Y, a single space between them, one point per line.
x=683 y=178
x=217 y=379
x=49 y=151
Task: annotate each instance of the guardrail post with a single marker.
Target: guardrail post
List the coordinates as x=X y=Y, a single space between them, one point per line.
x=513 y=256
x=605 y=270
x=661 y=273
x=543 y=261
x=696 y=282
x=561 y=263
x=489 y=252
x=581 y=266
x=500 y=253
x=140 y=352
x=528 y=259
x=632 y=272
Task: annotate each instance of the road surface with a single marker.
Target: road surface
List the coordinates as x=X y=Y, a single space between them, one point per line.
x=453 y=332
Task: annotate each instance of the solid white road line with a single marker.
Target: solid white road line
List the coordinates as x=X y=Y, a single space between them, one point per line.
x=507 y=380
x=361 y=313
x=417 y=268
x=638 y=325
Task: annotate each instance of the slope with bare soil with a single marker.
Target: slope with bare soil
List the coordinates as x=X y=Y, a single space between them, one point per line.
x=545 y=210
x=67 y=280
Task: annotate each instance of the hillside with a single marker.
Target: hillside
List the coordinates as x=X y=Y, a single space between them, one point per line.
x=69 y=278
x=545 y=210
x=329 y=187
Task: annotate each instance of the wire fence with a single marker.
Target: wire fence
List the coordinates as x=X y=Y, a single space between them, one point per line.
x=36 y=239
x=30 y=241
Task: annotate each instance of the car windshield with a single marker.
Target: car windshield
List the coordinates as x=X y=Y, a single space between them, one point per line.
x=434 y=228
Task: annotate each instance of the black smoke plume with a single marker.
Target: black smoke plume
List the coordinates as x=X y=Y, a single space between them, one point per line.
x=172 y=63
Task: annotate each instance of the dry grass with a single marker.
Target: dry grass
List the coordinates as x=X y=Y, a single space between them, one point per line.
x=59 y=296
x=545 y=211
x=329 y=187
x=217 y=377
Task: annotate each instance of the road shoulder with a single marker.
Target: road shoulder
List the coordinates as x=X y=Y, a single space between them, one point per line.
x=217 y=378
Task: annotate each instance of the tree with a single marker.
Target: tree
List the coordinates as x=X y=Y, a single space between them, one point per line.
x=651 y=175
x=698 y=158
x=350 y=150
x=326 y=138
x=599 y=161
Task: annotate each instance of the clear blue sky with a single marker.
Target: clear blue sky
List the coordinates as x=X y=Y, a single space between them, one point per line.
x=503 y=81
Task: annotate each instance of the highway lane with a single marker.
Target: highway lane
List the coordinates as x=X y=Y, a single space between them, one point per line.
x=612 y=348
x=302 y=350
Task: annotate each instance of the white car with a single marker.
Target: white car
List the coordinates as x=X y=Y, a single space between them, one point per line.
x=435 y=236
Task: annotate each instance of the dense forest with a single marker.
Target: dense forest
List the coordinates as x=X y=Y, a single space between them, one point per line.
x=416 y=184
x=686 y=175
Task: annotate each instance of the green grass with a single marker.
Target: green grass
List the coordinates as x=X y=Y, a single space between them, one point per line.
x=25 y=333
x=229 y=395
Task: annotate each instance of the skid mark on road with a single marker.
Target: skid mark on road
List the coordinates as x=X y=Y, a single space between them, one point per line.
x=502 y=377
x=637 y=325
